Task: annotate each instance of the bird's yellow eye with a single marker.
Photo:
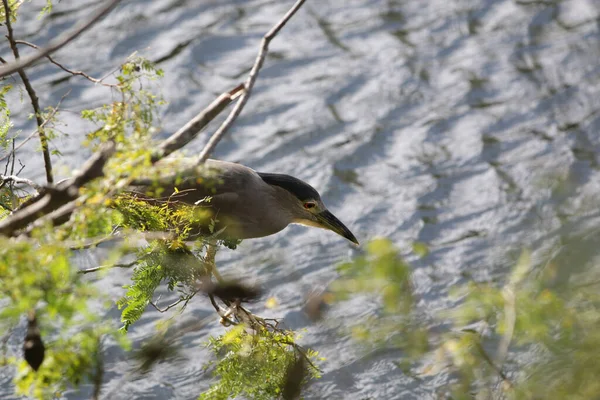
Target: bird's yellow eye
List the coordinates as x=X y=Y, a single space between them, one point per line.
x=309 y=205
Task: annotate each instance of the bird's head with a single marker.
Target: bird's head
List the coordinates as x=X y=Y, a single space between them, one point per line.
x=304 y=205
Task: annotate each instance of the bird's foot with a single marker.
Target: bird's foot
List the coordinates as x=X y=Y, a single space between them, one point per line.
x=236 y=314
x=230 y=314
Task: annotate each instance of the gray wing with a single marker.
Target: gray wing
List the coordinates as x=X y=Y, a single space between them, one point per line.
x=224 y=183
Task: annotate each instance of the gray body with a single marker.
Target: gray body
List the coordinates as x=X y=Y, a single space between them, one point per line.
x=248 y=204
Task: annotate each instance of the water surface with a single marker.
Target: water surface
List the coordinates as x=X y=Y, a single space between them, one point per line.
x=434 y=121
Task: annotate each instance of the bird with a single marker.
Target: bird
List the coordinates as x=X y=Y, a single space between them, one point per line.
x=242 y=202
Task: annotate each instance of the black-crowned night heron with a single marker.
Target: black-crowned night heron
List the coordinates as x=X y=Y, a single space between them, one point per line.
x=248 y=204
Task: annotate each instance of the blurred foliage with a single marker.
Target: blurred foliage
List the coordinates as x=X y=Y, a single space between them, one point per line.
x=5 y=124
x=14 y=8
x=549 y=311
x=254 y=365
x=47 y=8
x=383 y=274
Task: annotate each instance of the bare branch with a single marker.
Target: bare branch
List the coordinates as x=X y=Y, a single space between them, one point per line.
x=498 y=369
x=130 y=237
x=94 y=242
x=4 y=341
x=101 y=267
x=190 y=130
x=510 y=319
x=59 y=195
x=56 y=217
x=70 y=71
x=209 y=259
x=185 y=300
x=99 y=372
x=586 y=284
x=18 y=180
x=58 y=43
x=92 y=168
x=248 y=85
x=32 y=95
x=167 y=308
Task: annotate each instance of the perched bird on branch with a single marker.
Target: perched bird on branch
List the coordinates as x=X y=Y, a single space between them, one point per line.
x=243 y=203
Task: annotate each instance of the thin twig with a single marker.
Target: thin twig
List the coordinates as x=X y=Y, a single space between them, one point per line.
x=113 y=237
x=19 y=181
x=510 y=319
x=248 y=85
x=258 y=322
x=101 y=267
x=214 y=303
x=163 y=310
x=59 y=195
x=14 y=179
x=58 y=43
x=302 y=352
x=225 y=320
x=12 y=173
x=32 y=95
x=46 y=121
x=9 y=155
x=191 y=129
x=56 y=217
x=99 y=372
x=21 y=164
x=586 y=284
x=254 y=321
x=4 y=342
x=185 y=300
x=491 y=363
x=12 y=166
x=94 y=242
x=70 y=71
x=211 y=252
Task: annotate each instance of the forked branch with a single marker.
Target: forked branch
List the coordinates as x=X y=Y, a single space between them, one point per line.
x=55 y=197
x=31 y=93
x=191 y=129
x=248 y=85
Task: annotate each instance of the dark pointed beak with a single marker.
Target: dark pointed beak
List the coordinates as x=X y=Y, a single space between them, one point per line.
x=330 y=221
